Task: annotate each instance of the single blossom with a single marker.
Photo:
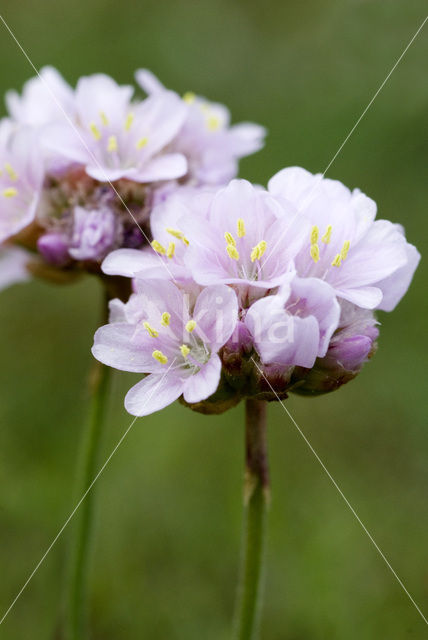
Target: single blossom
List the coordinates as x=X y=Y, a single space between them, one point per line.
x=367 y=262
x=162 y=331
x=21 y=178
x=115 y=138
x=294 y=326
x=210 y=143
x=246 y=238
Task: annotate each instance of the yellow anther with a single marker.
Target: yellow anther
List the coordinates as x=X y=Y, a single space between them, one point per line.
x=213 y=123
x=142 y=143
x=184 y=350
x=95 y=131
x=327 y=236
x=128 y=121
x=159 y=356
x=171 y=250
x=104 y=119
x=112 y=144
x=189 y=97
x=258 y=250
x=11 y=171
x=158 y=247
x=152 y=332
x=177 y=234
x=345 y=249
x=337 y=261
x=314 y=234
x=10 y=192
x=315 y=252
x=232 y=251
x=166 y=317
x=190 y=326
x=230 y=239
x=240 y=228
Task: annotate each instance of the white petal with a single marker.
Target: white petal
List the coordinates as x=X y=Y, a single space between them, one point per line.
x=203 y=384
x=153 y=393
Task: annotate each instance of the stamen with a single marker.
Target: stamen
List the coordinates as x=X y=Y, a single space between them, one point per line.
x=11 y=171
x=178 y=234
x=213 y=123
x=159 y=356
x=104 y=119
x=184 y=350
x=230 y=239
x=315 y=252
x=158 y=247
x=327 y=236
x=232 y=251
x=142 y=143
x=337 y=261
x=314 y=234
x=189 y=97
x=95 y=131
x=171 y=250
x=345 y=249
x=258 y=250
x=128 y=121
x=190 y=326
x=10 y=192
x=112 y=144
x=166 y=317
x=152 y=332
x=240 y=228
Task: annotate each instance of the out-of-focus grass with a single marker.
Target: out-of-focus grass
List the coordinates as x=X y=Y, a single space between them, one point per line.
x=169 y=514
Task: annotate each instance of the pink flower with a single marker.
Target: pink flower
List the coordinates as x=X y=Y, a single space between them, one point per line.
x=163 y=332
x=295 y=326
x=367 y=262
x=246 y=238
x=117 y=138
x=211 y=145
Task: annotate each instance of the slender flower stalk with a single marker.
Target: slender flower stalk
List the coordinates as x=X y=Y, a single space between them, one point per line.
x=256 y=502
x=76 y=588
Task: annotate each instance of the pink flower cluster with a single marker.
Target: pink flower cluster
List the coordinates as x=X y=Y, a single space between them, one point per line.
x=252 y=291
x=81 y=168
x=237 y=290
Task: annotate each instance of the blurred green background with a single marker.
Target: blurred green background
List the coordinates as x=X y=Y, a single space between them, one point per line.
x=169 y=516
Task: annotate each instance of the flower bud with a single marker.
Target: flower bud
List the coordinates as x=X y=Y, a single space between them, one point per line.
x=351 y=346
x=54 y=248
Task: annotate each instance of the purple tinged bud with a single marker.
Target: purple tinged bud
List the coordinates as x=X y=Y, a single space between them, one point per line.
x=54 y=248
x=94 y=233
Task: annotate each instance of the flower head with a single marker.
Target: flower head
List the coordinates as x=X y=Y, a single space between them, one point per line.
x=172 y=336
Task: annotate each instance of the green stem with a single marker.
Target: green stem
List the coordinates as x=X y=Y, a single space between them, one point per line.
x=256 y=502
x=81 y=536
